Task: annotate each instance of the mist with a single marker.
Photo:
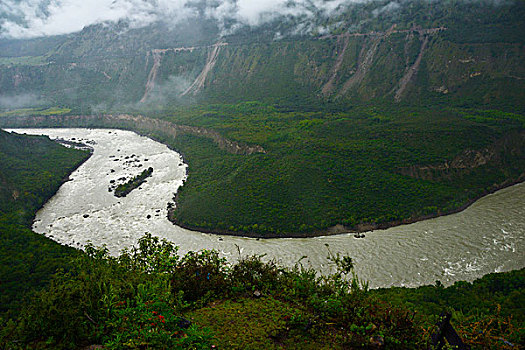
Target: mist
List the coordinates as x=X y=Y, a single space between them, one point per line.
x=20 y=101
x=37 y=18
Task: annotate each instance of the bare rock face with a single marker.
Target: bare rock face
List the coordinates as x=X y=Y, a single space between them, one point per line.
x=138 y=122
x=470 y=159
x=510 y=146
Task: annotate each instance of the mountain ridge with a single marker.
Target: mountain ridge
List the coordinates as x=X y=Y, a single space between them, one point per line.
x=423 y=52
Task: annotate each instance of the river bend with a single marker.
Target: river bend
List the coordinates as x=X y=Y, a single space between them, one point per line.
x=486 y=237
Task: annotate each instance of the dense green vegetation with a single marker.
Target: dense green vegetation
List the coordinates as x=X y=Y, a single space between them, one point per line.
x=124 y=189
x=351 y=168
x=36 y=111
x=31 y=170
x=355 y=168
x=495 y=301
x=344 y=145
x=345 y=142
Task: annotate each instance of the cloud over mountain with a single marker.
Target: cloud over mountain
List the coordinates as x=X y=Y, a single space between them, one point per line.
x=34 y=18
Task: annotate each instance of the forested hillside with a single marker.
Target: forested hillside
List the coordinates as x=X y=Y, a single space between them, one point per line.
x=380 y=113
x=311 y=173
x=31 y=170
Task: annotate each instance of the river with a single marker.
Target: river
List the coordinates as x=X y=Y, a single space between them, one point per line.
x=486 y=237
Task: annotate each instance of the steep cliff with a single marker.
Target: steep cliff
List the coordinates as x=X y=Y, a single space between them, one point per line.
x=452 y=52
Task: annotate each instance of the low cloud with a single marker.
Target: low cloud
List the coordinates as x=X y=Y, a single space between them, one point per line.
x=20 y=101
x=256 y=12
x=168 y=90
x=391 y=6
x=36 y=18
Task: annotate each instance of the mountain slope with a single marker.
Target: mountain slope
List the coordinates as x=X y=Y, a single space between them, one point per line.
x=453 y=51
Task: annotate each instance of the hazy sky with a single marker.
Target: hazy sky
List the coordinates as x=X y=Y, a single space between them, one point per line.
x=33 y=18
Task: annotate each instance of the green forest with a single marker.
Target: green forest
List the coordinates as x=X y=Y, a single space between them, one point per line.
x=356 y=168
x=31 y=170
x=372 y=118
x=352 y=168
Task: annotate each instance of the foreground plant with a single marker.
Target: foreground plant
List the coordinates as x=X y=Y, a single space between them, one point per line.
x=150 y=297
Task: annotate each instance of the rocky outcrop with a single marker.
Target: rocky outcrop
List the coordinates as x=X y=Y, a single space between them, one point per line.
x=149 y=124
x=150 y=84
x=367 y=57
x=365 y=60
x=511 y=145
x=198 y=84
x=342 y=44
x=157 y=59
x=411 y=71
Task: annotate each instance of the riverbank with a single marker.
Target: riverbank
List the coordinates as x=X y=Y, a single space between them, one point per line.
x=282 y=305
x=88 y=150
x=137 y=123
x=341 y=229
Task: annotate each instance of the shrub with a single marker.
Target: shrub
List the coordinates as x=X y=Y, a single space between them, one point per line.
x=200 y=274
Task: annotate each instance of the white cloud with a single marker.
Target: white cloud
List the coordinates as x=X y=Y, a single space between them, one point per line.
x=19 y=101
x=391 y=6
x=44 y=17
x=34 y=18
x=254 y=12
